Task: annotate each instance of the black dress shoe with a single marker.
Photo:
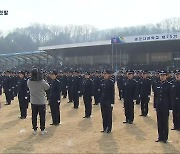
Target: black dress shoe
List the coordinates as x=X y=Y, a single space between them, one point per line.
x=56 y=124
x=158 y=140
x=22 y=117
x=52 y=124
x=173 y=128
x=108 y=131
x=102 y=131
x=125 y=122
x=130 y=122
x=164 y=141
x=84 y=117
x=141 y=115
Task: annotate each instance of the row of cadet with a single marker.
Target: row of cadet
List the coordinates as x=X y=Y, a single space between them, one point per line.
x=132 y=87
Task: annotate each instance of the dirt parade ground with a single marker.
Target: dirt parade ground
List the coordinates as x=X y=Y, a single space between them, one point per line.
x=78 y=135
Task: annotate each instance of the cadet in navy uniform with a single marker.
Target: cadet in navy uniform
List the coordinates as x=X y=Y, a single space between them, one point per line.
x=145 y=92
x=155 y=80
x=22 y=95
x=55 y=98
x=107 y=101
x=176 y=101
x=87 y=94
x=97 y=88
x=7 y=88
x=75 y=89
x=120 y=80
x=64 y=90
x=137 y=78
x=163 y=105
x=69 y=86
x=129 y=95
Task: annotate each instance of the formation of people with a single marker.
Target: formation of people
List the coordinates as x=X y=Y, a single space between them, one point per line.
x=134 y=87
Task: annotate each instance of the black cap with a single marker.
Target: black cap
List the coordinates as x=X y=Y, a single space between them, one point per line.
x=21 y=72
x=177 y=72
x=130 y=72
x=76 y=71
x=145 y=72
x=107 y=72
x=54 y=72
x=163 y=73
x=87 y=73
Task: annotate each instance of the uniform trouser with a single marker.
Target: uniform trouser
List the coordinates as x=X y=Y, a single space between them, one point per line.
x=120 y=93
x=55 y=112
x=162 y=122
x=12 y=93
x=129 y=110
x=70 y=96
x=64 y=92
x=8 y=97
x=144 y=105
x=97 y=97
x=76 y=100
x=23 y=103
x=138 y=100
x=16 y=91
x=155 y=96
x=88 y=106
x=176 y=114
x=106 y=111
x=41 y=109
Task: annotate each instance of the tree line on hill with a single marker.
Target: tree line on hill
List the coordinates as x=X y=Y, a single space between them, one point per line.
x=36 y=35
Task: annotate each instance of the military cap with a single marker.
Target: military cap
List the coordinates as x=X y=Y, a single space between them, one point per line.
x=107 y=72
x=54 y=72
x=21 y=72
x=162 y=72
x=145 y=72
x=177 y=72
x=130 y=72
x=76 y=71
x=87 y=73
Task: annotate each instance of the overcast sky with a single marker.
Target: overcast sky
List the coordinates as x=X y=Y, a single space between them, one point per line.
x=99 y=13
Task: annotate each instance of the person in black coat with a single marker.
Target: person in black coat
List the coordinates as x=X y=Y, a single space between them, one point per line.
x=87 y=91
x=76 y=89
x=129 y=96
x=137 y=78
x=55 y=98
x=163 y=105
x=69 y=86
x=7 y=87
x=97 y=87
x=145 y=92
x=65 y=84
x=107 y=101
x=120 y=81
x=155 y=80
x=22 y=95
x=176 y=101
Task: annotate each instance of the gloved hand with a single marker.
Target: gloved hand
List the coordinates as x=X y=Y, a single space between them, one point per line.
x=98 y=89
x=112 y=105
x=78 y=92
x=26 y=97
